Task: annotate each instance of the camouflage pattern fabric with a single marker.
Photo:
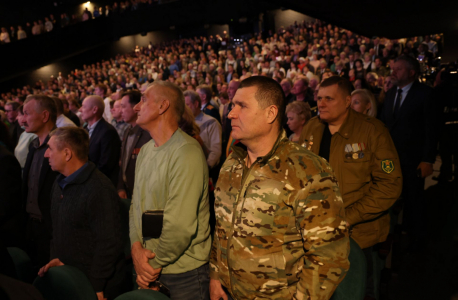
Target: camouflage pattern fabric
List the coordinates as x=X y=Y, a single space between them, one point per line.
x=280 y=226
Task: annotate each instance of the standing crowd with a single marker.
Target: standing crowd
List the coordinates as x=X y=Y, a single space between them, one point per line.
x=249 y=167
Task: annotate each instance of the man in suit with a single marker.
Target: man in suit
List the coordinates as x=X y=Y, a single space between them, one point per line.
x=134 y=138
x=15 y=129
x=40 y=118
x=410 y=115
x=104 y=144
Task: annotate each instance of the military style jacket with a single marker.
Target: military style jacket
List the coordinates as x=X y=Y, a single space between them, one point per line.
x=280 y=227
x=366 y=164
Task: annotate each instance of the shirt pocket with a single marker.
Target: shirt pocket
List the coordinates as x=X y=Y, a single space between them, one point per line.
x=357 y=170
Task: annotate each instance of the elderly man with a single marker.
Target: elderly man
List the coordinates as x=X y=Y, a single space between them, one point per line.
x=210 y=129
x=364 y=159
x=134 y=139
x=286 y=85
x=38 y=178
x=104 y=145
x=118 y=122
x=85 y=215
x=280 y=227
x=172 y=178
x=14 y=129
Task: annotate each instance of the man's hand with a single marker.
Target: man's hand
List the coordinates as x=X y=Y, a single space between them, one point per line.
x=216 y=290
x=140 y=258
x=100 y=296
x=426 y=169
x=53 y=263
x=122 y=194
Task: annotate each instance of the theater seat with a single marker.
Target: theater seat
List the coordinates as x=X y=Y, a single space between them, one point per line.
x=353 y=287
x=65 y=283
x=22 y=264
x=142 y=295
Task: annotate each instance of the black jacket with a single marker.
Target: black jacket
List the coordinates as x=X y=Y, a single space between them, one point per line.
x=414 y=132
x=87 y=228
x=105 y=149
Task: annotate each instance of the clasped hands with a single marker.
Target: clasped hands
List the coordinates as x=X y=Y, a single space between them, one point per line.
x=145 y=272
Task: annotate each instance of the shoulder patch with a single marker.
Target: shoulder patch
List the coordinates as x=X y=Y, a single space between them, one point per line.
x=387 y=166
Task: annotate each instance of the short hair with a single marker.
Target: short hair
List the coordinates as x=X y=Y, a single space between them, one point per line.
x=269 y=92
x=173 y=94
x=368 y=97
x=98 y=102
x=206 y=90
x=411 y=62
x=20 y=109
x=343 y=84
x=14 y=105
x=77 y=139
x=134 y=96
x=193 y=96
x=59 y=105
x=224 y=95
x=44 y=103
x=74 y=102
x=103 y=87
x=302 y=109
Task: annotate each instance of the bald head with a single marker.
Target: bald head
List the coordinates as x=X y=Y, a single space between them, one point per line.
x=164 y=90
x=96 y=101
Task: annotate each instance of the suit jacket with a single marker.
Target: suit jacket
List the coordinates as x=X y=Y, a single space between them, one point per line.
x=104 y=150
x=142 y=137
x=45 y=183
x=414 y=131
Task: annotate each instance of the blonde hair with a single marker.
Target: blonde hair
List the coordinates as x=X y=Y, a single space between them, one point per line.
x=302 y=109
x=367 y=96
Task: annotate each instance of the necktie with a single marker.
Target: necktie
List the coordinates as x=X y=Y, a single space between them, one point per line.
x=397 y=104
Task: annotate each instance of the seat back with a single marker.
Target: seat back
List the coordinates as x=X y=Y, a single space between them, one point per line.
x=353 y=286
x=143 y=295
x=65 y=283
x=22 y=264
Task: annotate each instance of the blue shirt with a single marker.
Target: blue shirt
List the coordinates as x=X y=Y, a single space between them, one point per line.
x=63 y=181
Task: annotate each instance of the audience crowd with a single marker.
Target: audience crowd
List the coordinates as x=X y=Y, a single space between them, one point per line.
x=312 y=63
x=50 y=23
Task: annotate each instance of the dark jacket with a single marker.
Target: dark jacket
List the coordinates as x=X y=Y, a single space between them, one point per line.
x=142 y=137
x=414 y=131
x=15 y=131
x=87 y=228
x=46 y=181
x=104 y=150
x=11 y=214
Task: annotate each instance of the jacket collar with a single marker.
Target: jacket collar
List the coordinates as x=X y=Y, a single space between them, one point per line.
x=240 y=152
x=83 y=176
x=347 y=126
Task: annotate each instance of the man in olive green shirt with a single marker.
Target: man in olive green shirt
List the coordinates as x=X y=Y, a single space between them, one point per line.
x=171 y=174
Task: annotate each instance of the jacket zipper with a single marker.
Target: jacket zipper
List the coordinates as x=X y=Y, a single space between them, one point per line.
x=233 y=222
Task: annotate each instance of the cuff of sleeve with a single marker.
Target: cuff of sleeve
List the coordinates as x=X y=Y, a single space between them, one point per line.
x=98 y=284
x=155 y=264
x=133 y=239
x=214 y=274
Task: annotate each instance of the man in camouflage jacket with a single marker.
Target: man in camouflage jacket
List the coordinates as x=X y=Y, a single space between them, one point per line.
x=280 y=226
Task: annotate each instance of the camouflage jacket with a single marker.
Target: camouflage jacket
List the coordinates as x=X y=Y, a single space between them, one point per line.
x=280 y=228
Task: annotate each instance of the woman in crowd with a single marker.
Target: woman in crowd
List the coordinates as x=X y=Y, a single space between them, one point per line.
x=298 y=113
x=363 y=101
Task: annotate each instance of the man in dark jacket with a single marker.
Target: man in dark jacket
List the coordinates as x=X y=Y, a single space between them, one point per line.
x=85 y=215
x=104 y=145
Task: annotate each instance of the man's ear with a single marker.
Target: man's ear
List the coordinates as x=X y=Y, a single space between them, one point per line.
x=348 y=101
x=271 y=113
x=45 y=115
x=164 y=106
x=68 y=154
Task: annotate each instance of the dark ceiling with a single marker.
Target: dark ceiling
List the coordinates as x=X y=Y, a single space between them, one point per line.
x=387 y=18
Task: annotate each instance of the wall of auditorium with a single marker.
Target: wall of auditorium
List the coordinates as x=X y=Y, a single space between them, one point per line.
x=284 y=18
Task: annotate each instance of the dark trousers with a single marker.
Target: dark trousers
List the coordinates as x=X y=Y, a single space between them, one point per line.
x=38 y=242
x=191 y=285
x=413 y=193
x=370 y=284
x=448 y=150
